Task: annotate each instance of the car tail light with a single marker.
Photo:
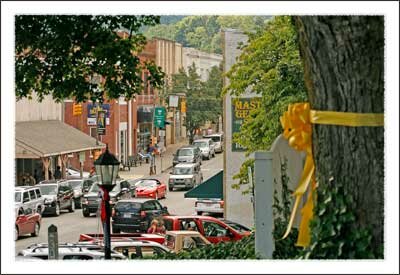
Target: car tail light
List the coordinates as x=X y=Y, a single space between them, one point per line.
x=221 y=203
x=142 y=214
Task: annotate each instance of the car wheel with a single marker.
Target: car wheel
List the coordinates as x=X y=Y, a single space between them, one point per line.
x=36 y=230
x=39 y=210
x=199 y=213
x=72 y=207
x=170 y=188
x=16 y=233
x=57 y=212
x=86 y=214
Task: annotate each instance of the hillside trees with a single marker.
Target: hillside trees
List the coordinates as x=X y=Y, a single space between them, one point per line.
x=203 y=32
x=61 y=55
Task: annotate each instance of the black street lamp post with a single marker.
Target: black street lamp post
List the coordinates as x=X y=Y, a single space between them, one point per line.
x=107 y=167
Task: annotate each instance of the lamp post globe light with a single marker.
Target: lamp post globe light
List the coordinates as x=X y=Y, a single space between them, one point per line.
x=107 y=166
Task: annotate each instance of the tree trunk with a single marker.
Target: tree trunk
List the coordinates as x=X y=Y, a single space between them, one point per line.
x=344 y=71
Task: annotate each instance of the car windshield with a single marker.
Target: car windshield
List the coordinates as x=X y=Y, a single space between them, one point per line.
x=182 y=171
x=48 y=189
x=94 y=188
x=238 y=227
x=146 y=183
x=185 y=152
x=215 y=138
x=200 y=144
x=128 y=206
x=75 y=184
x=18 y=196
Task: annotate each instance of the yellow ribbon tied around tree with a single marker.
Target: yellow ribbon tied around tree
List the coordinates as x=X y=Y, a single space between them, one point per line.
x=296 y=123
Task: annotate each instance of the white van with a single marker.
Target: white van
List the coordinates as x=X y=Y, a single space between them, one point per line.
x=218 y=141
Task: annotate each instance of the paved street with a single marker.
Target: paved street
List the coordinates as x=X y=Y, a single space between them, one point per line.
x=70 y=225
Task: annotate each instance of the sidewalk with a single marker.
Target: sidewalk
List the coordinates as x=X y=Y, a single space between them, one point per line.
x=164 y=162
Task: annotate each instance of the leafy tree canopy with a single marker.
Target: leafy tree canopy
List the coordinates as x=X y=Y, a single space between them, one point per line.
x=203 y=99
x=83 y=57
x=270 y=65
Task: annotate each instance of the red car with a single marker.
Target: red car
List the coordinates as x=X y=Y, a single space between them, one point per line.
x=213 y=229
x=150 y=188
x=27 y=222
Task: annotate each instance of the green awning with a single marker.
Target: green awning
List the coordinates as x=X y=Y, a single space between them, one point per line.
x=211 y=188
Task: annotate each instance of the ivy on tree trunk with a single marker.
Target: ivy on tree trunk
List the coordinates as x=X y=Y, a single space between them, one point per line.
x=344 y=71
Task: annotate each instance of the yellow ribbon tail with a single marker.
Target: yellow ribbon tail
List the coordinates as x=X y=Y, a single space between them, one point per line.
x=292 y=215
x=346 y=119
x=304 y=236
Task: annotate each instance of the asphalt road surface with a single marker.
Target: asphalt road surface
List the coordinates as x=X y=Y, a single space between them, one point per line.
x=70 y=225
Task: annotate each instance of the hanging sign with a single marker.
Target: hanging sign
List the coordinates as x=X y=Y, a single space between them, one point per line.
x=92 y=113
x=101 y=122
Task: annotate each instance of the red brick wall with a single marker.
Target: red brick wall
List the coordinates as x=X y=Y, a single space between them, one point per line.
x=80 y=123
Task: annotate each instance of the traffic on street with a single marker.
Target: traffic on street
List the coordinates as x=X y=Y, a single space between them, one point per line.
x=71 y=224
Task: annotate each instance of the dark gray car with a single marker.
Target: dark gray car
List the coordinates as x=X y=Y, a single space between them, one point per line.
x=91 y=200
x=187 y=154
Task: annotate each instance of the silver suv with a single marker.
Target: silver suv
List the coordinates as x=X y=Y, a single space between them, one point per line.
x=206 y=146
x=185 y=175
x=218 y=140
x=29 y=197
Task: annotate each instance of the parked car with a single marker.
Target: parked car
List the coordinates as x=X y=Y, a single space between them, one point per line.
x=213 y=229
x=184 y=240
x=69 y=251
x=218 y=140
x=79 y=186
x=150 y=188
x=91 y=200
x=186 y=175
x=206 y=146
x=238 y=227
x=58 y=195
x=97 y=238
x=72 y=173
x=211 y=206
x=29 y=197
x=191 y=154
x=135 y=215
x=139 y=249
x=27 y=222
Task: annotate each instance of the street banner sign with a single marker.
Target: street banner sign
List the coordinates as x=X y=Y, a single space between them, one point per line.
x=82 y=157
x=101 y=122
x=159 y=117
x=92 y=113
x=183 y=107
x=173 y=101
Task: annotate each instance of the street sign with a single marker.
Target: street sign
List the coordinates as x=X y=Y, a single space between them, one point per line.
x=183 y=107
x=53 y=242
x=159 y=117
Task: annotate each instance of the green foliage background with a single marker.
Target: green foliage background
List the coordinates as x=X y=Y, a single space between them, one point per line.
x=203 y=32
x=61 y=54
